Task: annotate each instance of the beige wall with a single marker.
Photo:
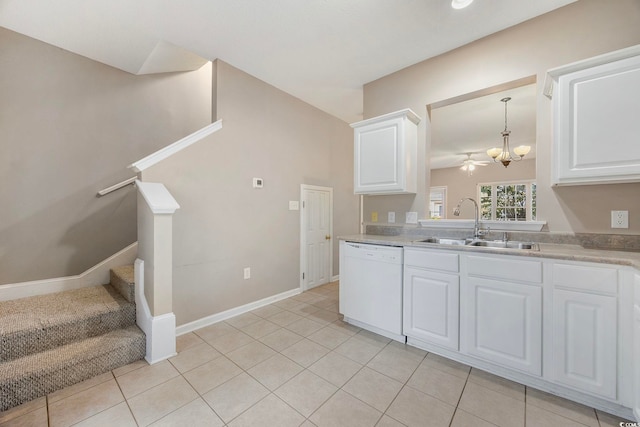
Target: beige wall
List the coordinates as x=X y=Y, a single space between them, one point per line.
x=460 y=185
x=225 y=225
x=69 y=126
x=578 y=31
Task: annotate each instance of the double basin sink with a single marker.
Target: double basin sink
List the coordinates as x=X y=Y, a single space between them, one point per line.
x=509 y=244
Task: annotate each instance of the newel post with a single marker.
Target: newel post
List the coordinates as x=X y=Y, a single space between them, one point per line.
x=154 y=270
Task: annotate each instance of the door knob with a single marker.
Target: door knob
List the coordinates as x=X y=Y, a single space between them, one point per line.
x=327 y=237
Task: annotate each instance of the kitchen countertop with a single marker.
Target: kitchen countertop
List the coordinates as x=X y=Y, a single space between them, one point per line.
x=547 y=250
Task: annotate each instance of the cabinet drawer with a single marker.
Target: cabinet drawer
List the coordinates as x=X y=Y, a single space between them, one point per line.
x=505 y=268
x=586 y=278
x=443 y=261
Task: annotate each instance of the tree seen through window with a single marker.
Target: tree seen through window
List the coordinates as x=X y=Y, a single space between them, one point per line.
x=508 y=201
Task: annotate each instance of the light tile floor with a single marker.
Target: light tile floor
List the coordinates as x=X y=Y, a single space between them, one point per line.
x=295 y=363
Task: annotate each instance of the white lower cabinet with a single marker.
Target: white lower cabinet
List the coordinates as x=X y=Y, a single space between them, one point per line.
x=509 y=314
x=585 y=327
x=584 y=341
x=431 y=297
x=431 y=306
x=503 y=323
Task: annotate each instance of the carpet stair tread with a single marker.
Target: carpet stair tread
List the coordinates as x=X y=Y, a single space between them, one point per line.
x=38 y=374
x=43 y=322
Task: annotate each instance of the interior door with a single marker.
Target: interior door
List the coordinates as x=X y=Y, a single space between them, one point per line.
x=316 y=236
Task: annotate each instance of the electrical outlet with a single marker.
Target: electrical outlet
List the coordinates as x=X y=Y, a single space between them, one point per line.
x=411 y=218
x=391 y=217
x=374 y=216
x=619 y=219
x=247 y=273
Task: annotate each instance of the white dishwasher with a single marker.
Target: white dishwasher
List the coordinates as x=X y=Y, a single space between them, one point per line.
x=371 y=288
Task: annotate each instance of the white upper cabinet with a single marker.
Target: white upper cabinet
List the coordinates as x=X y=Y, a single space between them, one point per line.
x=385 y=154
x=596 y=136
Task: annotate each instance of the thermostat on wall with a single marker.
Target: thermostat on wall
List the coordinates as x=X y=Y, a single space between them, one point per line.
x=257 y=182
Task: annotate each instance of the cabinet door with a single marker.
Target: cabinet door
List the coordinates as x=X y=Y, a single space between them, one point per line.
x=595 y=124
x=503 y=323
x=584 y=341
x=431 y=306
x=385 y=154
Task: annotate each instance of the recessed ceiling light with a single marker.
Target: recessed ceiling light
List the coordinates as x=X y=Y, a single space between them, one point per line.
x=460 y=4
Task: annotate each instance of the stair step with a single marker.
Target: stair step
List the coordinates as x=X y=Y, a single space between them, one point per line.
x=40 y=323
x=39 y=374
x=122 y=279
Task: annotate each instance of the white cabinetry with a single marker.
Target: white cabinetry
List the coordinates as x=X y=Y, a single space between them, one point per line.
x=501 y=308
x=585 y=328
x=431 y=297
x=385 y=154
x=595 y=105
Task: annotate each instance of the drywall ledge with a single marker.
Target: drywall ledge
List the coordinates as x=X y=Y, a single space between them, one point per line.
x=176 y=147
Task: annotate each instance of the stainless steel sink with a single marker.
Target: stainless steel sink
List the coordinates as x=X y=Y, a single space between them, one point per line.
x=443 y=241
x=511 y=244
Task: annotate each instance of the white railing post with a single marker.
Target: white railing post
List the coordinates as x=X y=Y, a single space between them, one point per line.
x=154 y=269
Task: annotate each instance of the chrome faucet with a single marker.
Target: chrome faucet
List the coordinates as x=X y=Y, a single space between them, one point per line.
x=476 y=227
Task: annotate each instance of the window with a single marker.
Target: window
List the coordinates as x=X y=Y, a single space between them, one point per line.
x=514 y=201
x=437 y=202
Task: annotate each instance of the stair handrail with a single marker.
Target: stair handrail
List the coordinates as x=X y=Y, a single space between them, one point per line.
x=117 y=186
x=176 y=147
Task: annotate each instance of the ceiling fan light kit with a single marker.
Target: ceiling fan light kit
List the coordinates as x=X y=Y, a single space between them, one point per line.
x=469 y=164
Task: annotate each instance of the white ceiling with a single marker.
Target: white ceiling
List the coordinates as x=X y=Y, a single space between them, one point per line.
x=476 y=125
x=321 y=51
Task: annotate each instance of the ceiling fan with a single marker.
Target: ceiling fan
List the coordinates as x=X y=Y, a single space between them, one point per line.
x=469 y=165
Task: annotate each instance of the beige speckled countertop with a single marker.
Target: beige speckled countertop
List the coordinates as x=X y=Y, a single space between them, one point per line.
x=547 y=250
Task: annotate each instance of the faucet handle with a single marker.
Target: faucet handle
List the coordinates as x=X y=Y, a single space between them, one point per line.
x=484 y=231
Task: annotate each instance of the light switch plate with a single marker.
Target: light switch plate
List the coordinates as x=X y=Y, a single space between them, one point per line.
x=294 y=205
x=412 y=218
x=391 y=217
x=619 y=219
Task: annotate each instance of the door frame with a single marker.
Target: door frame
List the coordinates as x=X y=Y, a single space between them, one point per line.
x=303 y=236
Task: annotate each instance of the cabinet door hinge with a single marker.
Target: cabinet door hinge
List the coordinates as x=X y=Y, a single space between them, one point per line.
x=302 y=276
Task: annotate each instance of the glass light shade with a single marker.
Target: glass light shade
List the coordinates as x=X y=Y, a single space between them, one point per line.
x=494 y=152
x=522 y=150
x=460 y=4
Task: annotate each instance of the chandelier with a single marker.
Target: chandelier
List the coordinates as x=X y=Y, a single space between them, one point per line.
x=504 y=155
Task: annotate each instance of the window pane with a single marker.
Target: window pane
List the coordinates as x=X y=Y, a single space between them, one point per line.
x=509 y=203
x=533 y=201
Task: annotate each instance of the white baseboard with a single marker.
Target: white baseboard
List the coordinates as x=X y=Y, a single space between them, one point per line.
x=335 y=278
x=224 y=315
x=96 y=275
x=160 y=330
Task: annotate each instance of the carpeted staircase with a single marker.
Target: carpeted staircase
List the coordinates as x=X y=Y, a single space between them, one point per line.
x=53 y=341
